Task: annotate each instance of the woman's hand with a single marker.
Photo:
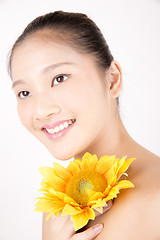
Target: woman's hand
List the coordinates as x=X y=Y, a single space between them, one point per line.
x=61 y=228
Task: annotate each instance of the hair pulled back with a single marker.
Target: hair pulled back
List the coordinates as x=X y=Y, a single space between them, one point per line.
x=76 y=29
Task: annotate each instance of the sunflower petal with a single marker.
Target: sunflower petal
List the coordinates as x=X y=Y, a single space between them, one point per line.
x=107 y=190
x=124 y=167
x=46 y=171
x=115 y=190
x=95 y=197
x=78 y=162
x=61 y=172
x=60 y=195
x=89 y=161
x=56 y=183
x=93 y=163
x=73 y=168
x=105 y=163
x=71 y=201
x=81 y=219
x=110 y=174
x=89 y=192
x=49 y=205
x=99 y=203
x=69 y=210
x=57 y=187
x=86 y=161
x=112 y=194
x=45 y=207
x=87 y=155
x=124 y=184
x=90 y=213
x=121 y=161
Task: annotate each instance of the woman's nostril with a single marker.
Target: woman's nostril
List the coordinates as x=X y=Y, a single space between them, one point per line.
x=45 y=112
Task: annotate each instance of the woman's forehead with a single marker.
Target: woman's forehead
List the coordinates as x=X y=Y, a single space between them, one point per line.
x=35 y=54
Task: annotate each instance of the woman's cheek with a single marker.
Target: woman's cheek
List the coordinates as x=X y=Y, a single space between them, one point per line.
x=24 y=116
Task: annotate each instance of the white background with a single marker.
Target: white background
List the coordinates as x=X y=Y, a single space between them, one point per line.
x=132 y=29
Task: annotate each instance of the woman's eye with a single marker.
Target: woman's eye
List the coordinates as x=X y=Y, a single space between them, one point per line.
x=59 y=79
x=24 y=94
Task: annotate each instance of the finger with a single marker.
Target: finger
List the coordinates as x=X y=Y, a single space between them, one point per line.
x=57 y=227
x=105 y=209
x=89 y=234
x=68 y=229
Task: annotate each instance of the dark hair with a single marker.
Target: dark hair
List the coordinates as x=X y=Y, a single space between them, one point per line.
x=76 y=29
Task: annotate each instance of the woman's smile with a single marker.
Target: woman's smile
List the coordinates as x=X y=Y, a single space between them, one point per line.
x=58 y=129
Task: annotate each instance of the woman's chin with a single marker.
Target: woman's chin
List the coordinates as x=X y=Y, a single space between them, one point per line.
x=60 y=155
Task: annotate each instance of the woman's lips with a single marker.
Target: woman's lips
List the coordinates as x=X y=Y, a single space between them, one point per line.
x=58 y=129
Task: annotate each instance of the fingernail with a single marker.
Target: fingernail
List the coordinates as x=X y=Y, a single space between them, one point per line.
x=107 y=207
x=98 y=228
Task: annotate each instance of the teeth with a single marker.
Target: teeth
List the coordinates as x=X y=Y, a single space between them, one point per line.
x=65 y=124
x=60 y=127
x=50 y=130
x=56 y=129
x=70 y=122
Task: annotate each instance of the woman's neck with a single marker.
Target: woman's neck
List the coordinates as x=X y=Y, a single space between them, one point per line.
x=116 y=141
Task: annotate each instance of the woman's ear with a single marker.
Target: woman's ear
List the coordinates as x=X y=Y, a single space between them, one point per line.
x=115 y=79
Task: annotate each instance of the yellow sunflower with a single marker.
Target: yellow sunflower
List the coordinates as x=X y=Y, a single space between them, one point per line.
x=84 y=186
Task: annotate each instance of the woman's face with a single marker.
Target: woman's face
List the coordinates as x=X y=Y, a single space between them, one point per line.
x=62 y=98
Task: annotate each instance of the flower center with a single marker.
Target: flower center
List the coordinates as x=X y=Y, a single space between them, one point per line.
x=76 y=187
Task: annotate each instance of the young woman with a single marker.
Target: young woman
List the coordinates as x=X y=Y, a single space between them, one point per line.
x=67 y=86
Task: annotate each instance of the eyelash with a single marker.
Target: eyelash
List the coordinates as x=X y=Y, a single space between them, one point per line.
x=60 y=75
x=23 y=92
x=26 y=94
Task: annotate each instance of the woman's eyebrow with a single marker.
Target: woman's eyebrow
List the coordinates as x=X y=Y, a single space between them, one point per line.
x=16 y=83
x=53 y=66
x=50 y=67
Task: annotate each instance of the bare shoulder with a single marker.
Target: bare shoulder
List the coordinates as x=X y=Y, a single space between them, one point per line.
x=146 y=168
x=149 y=169
x=136 y=212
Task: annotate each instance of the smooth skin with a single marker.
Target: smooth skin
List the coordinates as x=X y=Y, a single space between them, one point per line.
x=89 y=96
x=60 y=228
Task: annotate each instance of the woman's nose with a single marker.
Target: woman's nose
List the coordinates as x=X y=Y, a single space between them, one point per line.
x=44 y=108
